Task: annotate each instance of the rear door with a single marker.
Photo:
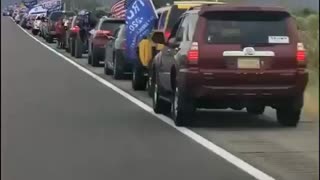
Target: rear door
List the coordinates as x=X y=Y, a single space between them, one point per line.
x=53 y=18
x=248 y=47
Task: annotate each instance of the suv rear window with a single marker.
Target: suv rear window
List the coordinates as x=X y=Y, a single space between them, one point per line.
x=245 y=28
x=69 y=14
x=111 y=25
x=55 y=16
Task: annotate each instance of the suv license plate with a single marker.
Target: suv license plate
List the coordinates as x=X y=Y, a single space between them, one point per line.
x=248 y=63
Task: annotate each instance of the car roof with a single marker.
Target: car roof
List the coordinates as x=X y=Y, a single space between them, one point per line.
x=112 y=19
x=187 y=5
x=241 y=7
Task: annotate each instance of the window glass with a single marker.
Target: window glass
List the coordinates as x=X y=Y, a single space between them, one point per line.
x=181 y=33
x=192 y=19
x=111 y=25
x=175 y=14
x=162 y=20
x=246 y=28
x=55 y=16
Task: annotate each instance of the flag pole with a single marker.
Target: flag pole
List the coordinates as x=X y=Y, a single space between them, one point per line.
x=154 y=9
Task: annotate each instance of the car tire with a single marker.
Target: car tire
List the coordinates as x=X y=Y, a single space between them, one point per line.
x=117 y=71
x=289 y=114
x=34 y=32
x=151 y=84
x=49 y=39
x=138 y=78
x=89 y=57
x=78 y=48
x=72 y=47
x=288 y=117
x=182 y=108
x=94 y=58
x=160 y=106
x=68 y=46
x=256 y=110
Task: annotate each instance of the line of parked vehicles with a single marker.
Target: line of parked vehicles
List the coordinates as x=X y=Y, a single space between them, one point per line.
x=200 y=55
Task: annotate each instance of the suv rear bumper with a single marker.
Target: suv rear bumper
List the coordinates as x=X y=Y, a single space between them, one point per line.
x=195 y=85
x=99 y=52
x=52 y=33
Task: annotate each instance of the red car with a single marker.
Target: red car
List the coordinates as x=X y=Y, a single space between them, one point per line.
x=229 y=56
x=99 y=37
x=59 y=29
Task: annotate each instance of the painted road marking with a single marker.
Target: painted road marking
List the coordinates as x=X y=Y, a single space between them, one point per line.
x=189 y=133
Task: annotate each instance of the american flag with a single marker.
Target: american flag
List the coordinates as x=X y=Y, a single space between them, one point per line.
x=118 y=10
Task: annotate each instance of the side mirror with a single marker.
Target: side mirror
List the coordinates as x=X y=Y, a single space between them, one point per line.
x=158 y=37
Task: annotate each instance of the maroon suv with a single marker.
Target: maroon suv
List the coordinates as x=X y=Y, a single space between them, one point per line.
x=229 y=56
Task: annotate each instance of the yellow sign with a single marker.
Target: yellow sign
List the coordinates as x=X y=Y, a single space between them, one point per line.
x=22 y=5
x=189 y=4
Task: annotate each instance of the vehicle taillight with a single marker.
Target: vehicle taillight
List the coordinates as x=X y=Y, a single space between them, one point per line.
x=193 y=53
x=102 y=33
x=75 y=29
x=301 y=53
x=167 y=34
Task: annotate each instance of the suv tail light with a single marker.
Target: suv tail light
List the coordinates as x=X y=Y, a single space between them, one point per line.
x=167 y=34
x=102 y=33
x=193 y=53
x=75 y=29
x=301 y=54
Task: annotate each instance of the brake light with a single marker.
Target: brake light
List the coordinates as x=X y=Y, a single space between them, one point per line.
x=301 y=53
x=193 y=53
x=167 y=34
x=75 y=29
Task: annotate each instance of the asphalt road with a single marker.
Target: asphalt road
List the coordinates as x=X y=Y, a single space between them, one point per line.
x=59 y=123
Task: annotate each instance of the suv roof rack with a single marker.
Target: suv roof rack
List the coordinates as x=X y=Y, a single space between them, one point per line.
x=198 y=2
x=198 y=7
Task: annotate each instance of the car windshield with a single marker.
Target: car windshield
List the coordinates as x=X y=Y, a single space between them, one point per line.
x=69 y=14
x=174 y=16
x=245 y=27
x=55 y=16
x=111 y=25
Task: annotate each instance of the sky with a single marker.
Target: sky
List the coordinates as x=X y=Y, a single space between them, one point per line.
x=313 y=4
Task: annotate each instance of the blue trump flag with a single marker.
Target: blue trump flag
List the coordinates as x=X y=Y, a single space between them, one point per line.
x=140 y=18
x=30 y=4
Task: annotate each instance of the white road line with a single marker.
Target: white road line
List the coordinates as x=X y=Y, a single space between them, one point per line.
x=191 y=134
